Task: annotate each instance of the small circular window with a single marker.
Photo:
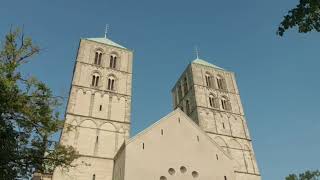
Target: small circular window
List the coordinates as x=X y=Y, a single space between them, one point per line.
x=163 y=178
x=171 y=171
x=183 y=169
x=195 y=174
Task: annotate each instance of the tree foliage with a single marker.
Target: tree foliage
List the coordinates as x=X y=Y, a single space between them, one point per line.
x=28 y=116
x=305 y=16
x=308 y=175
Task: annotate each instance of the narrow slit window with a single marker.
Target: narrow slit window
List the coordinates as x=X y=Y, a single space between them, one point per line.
x=161 y=131
x=217 y=156
x=188 y=107
x=93 y=80
x=96 y=58
x=100 y=108
x=198 y=138
x=97 y=81
x=208 y=82
x=114 y=62
x=142 y=145
x=99 y=59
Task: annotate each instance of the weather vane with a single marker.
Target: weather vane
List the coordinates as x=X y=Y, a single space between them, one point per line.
x=106 y=31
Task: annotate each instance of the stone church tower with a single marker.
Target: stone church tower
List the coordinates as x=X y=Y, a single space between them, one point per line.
x=209 y=95
x=99 y=108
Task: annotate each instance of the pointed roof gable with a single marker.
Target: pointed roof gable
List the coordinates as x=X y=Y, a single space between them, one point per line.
x=105 y=40
x=191 y=122
x=205 y=63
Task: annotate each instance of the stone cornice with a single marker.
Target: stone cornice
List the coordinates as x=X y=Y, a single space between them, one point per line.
x=228 y=135
x=107 y=68
x=102 y=119
x=100 y=90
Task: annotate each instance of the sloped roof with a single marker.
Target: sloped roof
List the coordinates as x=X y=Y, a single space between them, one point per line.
x=205 y=63
x=105 y=40
x=178 y=110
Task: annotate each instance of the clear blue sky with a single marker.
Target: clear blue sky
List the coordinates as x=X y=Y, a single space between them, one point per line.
x=278 y=77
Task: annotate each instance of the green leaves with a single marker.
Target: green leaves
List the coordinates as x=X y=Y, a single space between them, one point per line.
x=28 y=116
x=305 y=16
x=308 y=175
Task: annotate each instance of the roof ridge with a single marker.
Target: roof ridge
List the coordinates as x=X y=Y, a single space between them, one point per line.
x=188 y=119
x=107 y=41
x=205 y=63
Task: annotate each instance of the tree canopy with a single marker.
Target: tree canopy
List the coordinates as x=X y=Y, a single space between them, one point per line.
x=308 y=175
x=28 y=115
x=305 y=16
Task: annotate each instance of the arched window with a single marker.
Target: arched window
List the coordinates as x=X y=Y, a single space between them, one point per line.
x=187 y=107
x=213 y=101
x=221 y=83
x=95 y=80
x=225 y=103
x=179 y=92
x=185 y=85
x=111 y=83
x=97 y=58
x=209 y=80
x=113 y=61
x=94 y=177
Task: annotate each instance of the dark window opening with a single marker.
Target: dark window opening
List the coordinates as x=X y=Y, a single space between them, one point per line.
x=113 y=61
x=187 y=107
x=111 y=84
x=185 y=85
x=95 y=80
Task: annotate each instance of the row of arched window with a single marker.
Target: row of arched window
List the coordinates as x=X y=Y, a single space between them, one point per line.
x=183 y=86
x=112 y=60
x=215 y=82
x=214 y=102
x=111 y=83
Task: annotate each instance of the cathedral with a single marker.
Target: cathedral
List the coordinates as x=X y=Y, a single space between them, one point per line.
x=205 y=137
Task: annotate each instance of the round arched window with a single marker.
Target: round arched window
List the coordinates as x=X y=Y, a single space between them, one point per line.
x=113 y=61
x=183 y=169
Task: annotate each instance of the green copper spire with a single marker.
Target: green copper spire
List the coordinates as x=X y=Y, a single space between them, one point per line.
x=205 y=63
x=105 y=40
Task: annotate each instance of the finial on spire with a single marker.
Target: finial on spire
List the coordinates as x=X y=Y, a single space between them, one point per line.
x=106 y=31
x=197 y=51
